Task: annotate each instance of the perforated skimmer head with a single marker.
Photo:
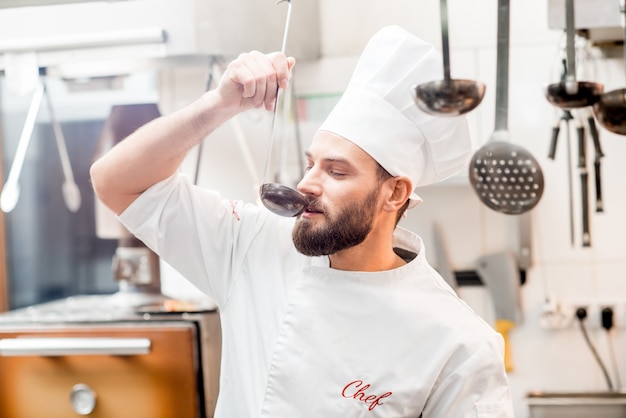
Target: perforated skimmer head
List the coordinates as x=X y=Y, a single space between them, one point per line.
x=506 y=178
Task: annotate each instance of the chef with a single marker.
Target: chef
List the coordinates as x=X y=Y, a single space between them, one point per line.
x=336 y=312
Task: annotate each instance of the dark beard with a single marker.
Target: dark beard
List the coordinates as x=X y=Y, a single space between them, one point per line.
x=348 y=228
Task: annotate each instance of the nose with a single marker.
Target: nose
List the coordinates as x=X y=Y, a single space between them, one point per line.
x=309 y=185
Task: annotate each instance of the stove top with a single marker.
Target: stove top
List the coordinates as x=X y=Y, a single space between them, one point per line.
x=104 y=308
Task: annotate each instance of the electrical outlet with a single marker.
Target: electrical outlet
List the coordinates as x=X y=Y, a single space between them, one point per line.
x=594 y=314
x=613 y=319
x=555 y=316
x=593 y=320
x=559 y=316
x=619 y=316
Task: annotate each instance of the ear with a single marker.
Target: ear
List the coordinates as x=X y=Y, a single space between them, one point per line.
x=398 y=191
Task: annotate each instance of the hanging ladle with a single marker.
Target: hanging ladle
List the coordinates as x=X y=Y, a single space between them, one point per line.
x=448 y=97
x=278 y=198
x=506 y=177
x=70 y=190
x=571 y=94
x=610 y=110
x=11 y=189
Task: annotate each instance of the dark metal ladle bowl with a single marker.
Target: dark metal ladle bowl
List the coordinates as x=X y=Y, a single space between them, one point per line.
x=610 y=111
x=586 y=94
x=448 y=98
x=283 y=200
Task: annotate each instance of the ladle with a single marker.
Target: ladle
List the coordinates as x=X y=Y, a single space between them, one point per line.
x=278 y=198
x=448 y=97
x=11 y=190
x=610 y=110
x=571 y=94
x=506 y=177
x=70 y=190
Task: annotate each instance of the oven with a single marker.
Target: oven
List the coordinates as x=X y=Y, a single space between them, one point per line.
x=93 y=356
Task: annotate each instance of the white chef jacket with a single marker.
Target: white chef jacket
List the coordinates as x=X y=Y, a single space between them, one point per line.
x=301 y=339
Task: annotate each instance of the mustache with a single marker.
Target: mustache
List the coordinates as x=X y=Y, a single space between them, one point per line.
x=315 y=205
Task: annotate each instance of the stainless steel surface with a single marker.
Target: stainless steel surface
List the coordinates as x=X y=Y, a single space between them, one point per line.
x=599 y=18
x=130 y=33
x=83 y=399
x=51 y=347
x=137 y=265
x=577 y=404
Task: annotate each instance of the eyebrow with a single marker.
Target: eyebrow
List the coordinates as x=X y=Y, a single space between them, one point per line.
x=330 y=159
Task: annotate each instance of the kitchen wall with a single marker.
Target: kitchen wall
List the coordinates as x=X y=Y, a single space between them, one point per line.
x=544 y=359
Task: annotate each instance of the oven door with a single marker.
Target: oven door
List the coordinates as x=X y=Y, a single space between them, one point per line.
x=121 y=370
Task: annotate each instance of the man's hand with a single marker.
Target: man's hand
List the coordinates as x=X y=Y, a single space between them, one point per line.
x=252 y=80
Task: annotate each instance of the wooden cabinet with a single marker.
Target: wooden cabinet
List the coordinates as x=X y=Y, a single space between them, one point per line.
x=130 y=370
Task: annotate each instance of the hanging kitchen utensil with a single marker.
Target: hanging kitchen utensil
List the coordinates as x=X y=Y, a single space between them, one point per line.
x=595 y=135
x=570 y=183
x=506 y=177
x=500 y=273
x=610 y=110
x=570 y=94
x=597 y=171
x=11 y=190
x=278 y=198
x=565 y=116
x=448 y=97
x=584 y=178
x=71 y=192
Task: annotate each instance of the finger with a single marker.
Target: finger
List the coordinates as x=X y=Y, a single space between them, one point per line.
x=282 y=65
x=265 y=83
x=242 y=75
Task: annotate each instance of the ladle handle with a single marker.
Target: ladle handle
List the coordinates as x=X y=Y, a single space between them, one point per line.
x=502 y=67
x=599 y=200
x=570 y=46
x=273 y=128
x=595 y=135
x=584 y=180
x=445 y=45
x=570 y=182
x=585 y=212
x=623 y=10
x=582 y=152
x=553 y=141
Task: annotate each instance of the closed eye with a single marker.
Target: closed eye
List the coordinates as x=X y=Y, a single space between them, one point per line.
x=335 y=173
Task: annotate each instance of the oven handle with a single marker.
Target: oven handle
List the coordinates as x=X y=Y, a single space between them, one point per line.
x=49 y=347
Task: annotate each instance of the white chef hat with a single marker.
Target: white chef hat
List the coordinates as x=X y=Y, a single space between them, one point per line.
x=377 y=112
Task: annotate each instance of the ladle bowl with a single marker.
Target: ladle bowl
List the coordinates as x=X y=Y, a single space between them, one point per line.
x=583 y=94
x=448 y=98
x=610 y=111
x=283 y=200
x=506 y=177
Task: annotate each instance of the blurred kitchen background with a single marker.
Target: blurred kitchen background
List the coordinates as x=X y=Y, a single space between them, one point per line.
x=94 y=56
